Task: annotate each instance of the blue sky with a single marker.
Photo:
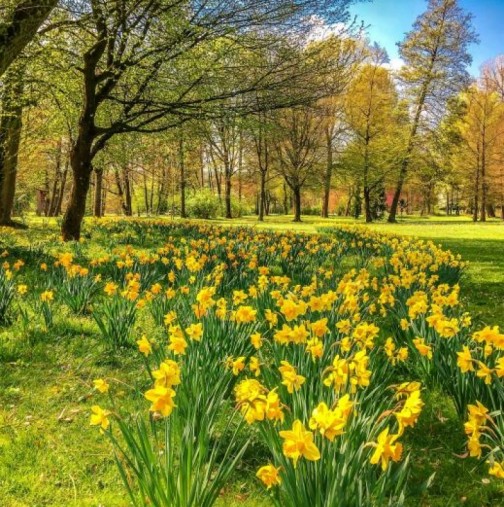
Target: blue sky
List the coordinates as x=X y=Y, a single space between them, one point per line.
x=390 y=19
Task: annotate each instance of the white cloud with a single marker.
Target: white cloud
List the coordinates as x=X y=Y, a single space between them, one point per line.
x=395 y=64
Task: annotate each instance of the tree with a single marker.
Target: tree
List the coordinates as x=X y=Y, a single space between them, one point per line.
x=493 y=76
x=482 y=131
x=436 y=57
x=371 y=116
x=152 y=65
x=298 y=149
x=342 y=54
x=225 y=137
x=18 y=27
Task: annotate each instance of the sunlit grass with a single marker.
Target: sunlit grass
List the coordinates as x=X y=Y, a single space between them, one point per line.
x=50 y=457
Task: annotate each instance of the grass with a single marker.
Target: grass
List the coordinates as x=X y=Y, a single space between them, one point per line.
x=50 y=457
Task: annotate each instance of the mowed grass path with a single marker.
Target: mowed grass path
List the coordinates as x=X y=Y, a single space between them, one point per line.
x=49 y=456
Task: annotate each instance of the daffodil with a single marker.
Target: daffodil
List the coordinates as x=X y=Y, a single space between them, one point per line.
x=101 y=385
x=497 y=470
x=162 y=400
x=269 y=475
x=99 y=417
x=465 y=360
x=298 y=443
x=195 y=331
x=386 y=449
x=290 y=378
x=144 y=346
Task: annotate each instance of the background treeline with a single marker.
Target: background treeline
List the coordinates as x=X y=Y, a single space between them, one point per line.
x=205 y=108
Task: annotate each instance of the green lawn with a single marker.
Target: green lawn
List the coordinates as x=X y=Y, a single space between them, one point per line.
x=50 y=457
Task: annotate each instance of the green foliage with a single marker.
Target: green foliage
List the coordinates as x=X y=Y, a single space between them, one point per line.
x=203 y=204
x=115 y=318
x=77 y=292
x=239 y=209
x=6 y=295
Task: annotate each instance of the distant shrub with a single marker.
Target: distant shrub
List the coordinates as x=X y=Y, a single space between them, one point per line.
x=203 y=204
x=240 y=209
x=312 y=210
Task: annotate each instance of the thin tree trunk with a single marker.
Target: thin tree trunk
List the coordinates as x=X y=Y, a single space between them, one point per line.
x=57 y=177
x=327 y=175
x=128 y=205
x=59 y=204
x=367 y=204
x=262 y=196
x=202 y=166
x=227 y=196
x=151 y=194
x=476 y=194
x=183 y=212
x=285 y=199
x=240 y=168
x=349 y=202
x=409 y=150
x=146 y=192
x=484 y=184
x=98 y=204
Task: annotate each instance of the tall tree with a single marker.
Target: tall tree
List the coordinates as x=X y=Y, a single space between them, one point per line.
x=482 y=130
x=299 y=149
x=342 y=54
x=371 y=115
x=152 y=64
x=436 y=58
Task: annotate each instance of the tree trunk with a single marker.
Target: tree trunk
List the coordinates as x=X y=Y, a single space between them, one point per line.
x=484 y=184
x=296 y=192
x=151 y=194
x=367 y=204
x=146 y=192
x=397 y=193
x=240 y=168
x=202 y=166
x=80 y=161
x=81 y=164
x=57 y=176
x=227 y=197
x=327 y=176
x=409 y=150
x=262 y=196
x=285 y=199
x=59 y=203
x=183 y=212
x=98 y=204
x=349 y=202
x=128 y=206
x=476 y=195
x=10 y=135
x=81 y=155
